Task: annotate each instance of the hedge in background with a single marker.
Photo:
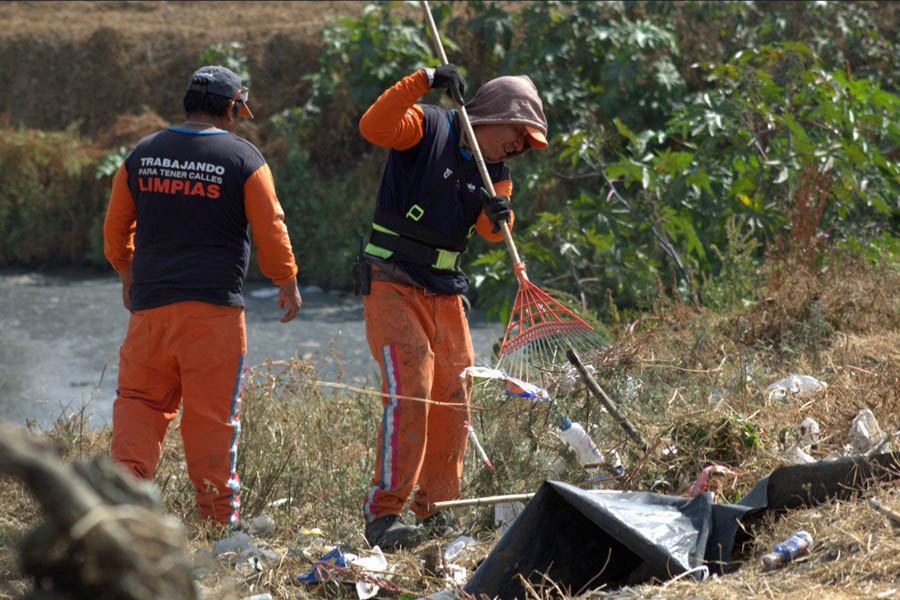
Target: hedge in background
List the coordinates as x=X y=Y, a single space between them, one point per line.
x=51 y=207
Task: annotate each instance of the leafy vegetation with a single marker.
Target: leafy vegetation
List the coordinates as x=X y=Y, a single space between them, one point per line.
x=685 y=137
x=51 y=207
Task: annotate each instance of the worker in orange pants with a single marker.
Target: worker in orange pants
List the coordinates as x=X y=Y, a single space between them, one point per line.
x=421 y=340
x=177 y=231
x=167 y=354
x=431 y=201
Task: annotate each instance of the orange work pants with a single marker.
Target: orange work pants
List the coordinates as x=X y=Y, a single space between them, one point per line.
x=195 y=351
x=421 y=341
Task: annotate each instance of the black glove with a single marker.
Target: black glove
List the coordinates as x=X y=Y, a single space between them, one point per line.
x=447 y=77
x=496 y=208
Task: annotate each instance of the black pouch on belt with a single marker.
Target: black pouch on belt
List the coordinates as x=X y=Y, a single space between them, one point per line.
x=362 y=272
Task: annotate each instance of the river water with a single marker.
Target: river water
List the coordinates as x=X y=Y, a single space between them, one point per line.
x=60 y=338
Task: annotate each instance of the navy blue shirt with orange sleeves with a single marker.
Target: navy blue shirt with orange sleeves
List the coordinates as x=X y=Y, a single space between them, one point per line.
x=193 y=193
x=424 y=142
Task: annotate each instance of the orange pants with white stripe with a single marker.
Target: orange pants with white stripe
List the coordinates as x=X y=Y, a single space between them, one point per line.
x=422 y=343
x=187 y=356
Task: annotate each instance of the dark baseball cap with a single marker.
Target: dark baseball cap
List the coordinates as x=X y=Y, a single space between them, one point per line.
x=215 y=79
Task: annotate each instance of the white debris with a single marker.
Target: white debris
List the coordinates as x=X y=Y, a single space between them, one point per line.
x=864 y=431
x=797 y=385
x=809 y=431
x=377 y=565
x=796 y=456
x=456 y=547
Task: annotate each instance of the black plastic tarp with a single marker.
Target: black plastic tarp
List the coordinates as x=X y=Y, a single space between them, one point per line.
x=581 y=540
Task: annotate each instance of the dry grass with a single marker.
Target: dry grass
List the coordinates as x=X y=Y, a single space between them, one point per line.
x=693 y=382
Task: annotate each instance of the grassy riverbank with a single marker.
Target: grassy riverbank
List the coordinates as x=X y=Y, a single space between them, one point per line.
x=693 y=381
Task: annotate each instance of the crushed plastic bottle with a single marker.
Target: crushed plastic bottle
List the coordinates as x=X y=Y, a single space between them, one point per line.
x=456 y=547
x=788 y=550
x=578 y=439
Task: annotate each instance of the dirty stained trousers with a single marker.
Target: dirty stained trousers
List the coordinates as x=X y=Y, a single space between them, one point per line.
x=422 y=344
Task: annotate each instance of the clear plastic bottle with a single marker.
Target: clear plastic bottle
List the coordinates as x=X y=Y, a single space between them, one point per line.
x=578 y=439
x=788 y=550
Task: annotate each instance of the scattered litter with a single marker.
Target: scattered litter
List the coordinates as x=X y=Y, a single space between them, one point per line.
x=475 y=441
x=374 y=563
x=632 y=388
x=606 y=481
x=514 y=387
x=237 y=543
x=261 y=526
x=264 y=292
x=809 y=432
x=788 y=550
x=251 y=567
x=505 y=513
x=712 y=479
x=320 y=572
x=456 y=547
x=258 y=597
x=310 y=532
x=571 y=377
x=456 y=574
x=279 y=502
x=864 y=431
x=312 y=543
x=798 y=385
x=795 y=455
x=573 y=434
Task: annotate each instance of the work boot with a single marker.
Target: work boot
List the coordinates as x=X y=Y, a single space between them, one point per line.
x=391 y=533
x=439 y=525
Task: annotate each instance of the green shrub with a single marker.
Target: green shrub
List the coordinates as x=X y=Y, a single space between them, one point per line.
x=228 y=55
x=325 y=215
x=50 y=203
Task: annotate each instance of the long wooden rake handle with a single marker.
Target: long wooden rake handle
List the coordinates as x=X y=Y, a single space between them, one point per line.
x=476 y=151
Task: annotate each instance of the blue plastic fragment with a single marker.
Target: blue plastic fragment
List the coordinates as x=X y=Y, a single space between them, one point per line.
x=320 y=572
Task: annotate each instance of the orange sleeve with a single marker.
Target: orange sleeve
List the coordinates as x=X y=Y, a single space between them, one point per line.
x=395 y=120
x=483 y=225
x=119 y=224
x=274 y=253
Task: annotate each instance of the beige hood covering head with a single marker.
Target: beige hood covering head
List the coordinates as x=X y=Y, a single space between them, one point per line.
x=510 y=99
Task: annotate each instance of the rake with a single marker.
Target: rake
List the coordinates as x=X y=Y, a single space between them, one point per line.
x=540 y=329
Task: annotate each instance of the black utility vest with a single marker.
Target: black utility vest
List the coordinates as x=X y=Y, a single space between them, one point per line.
x=192 y=240
x=409 y=177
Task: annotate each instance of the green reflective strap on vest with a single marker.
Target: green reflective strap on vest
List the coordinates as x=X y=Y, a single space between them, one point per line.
x=446 y=260
x=378 y=250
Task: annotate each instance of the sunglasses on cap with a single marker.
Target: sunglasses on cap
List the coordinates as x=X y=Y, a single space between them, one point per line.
x=244 y=110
